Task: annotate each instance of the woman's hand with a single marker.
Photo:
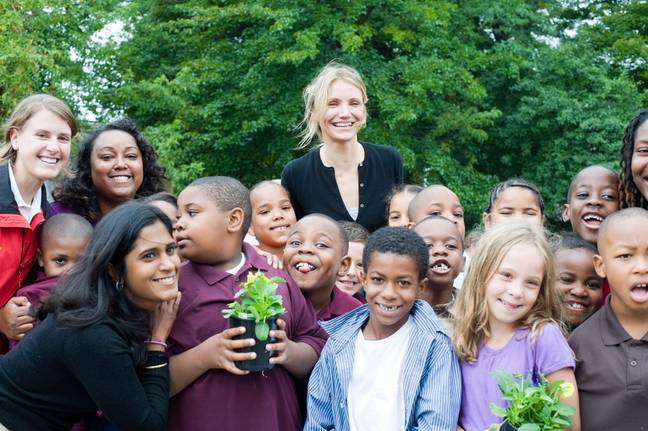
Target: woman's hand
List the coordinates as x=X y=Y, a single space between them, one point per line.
x=163 y=318
x=15 y=321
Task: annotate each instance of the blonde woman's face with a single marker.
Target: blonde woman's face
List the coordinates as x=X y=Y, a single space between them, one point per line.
x=42 y=145
x=344 y=115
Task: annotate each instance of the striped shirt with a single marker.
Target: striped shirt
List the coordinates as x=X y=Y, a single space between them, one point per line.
x=431 y=375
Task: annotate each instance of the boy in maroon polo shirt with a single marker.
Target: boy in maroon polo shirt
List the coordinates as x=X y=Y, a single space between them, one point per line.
x=208 y=391
x=611 y=346
x=314 y=255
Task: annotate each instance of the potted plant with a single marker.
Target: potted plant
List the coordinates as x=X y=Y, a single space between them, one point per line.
x=256 y=307
x=534 y=404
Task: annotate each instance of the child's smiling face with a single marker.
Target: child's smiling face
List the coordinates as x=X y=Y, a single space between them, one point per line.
x=349 y=281
x=398 y=209
x=515 y=202
x=593 y=196
x=391 y=284
x=623 y=259
x=513 y=289
x=443 y=241
x=579 y=286
x=313 y=253
x=272 y=215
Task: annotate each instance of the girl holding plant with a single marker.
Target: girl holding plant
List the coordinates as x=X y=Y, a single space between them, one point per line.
x=506 y=319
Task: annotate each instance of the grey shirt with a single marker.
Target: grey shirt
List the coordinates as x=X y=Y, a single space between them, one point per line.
x=611 y=373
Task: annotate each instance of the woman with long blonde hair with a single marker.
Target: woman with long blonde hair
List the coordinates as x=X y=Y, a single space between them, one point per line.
x=37 y=141
x=342 y=177
x=506 y=317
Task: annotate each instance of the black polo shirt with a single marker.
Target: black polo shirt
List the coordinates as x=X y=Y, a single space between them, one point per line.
x=313 y=188
x=611 y=373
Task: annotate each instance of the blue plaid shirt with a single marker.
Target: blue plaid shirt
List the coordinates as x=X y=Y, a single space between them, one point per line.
x=431 y=374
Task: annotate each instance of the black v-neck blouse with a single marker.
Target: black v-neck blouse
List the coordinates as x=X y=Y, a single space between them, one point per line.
x=313 y=188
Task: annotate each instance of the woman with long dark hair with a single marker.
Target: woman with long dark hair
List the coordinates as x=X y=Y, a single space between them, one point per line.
x=115 y=164
x=101 y=342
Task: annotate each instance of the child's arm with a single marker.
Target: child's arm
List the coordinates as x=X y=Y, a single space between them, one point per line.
x=319 y=414
x=15 y=321
x=297 y=358
x=215 y=352
x=567 y=374
x=439 y=399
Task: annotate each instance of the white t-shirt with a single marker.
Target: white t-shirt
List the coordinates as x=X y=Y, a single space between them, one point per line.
x=375 y=400
x=234 y=270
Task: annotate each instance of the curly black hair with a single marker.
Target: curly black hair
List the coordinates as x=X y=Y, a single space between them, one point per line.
x=629 y=195
x=400 y=241
x=76 y=191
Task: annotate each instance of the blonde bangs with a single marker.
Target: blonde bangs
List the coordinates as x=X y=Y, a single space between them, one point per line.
x=316 y=97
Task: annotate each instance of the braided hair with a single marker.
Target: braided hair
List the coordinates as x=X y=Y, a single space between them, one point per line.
x=629 y=194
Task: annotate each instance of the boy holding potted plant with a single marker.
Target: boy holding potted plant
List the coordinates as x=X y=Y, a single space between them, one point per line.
x=315 y=253
x=388 y=364
x=208 y=390
x=611 y=346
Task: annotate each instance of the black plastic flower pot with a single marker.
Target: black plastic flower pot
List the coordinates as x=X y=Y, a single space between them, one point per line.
x=262 y=361
x=507 y=427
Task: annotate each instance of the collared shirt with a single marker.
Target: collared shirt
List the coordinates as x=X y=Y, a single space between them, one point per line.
x=431 y=379
x=611 y=373
x=219 y=399
x=341 y=302
x=27 y=210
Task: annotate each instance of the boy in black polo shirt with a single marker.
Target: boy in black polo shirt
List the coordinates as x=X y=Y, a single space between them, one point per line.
x=611 y=347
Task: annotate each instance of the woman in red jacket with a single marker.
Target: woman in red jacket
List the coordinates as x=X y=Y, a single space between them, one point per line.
x=37 y=140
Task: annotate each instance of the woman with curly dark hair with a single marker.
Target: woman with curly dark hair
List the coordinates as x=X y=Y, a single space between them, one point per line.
x=634 y=163
x=115 y=164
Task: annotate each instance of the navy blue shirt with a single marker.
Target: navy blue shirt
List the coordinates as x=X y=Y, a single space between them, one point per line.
x=313 y=188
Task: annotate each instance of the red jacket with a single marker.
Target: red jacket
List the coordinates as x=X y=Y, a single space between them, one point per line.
x=18 y=239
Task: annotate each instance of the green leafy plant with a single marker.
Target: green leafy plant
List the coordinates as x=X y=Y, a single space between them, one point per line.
x=257 y=300
x=533 y=404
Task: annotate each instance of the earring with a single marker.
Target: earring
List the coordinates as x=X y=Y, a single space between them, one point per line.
x=119 y=285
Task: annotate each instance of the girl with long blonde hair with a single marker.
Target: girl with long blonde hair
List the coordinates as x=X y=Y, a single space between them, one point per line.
x=506 y=317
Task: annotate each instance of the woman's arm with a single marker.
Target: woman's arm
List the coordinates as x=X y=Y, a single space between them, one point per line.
x=100 y=359
x=567 y=374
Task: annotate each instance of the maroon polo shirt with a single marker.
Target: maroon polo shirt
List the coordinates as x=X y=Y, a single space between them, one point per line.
x=611 y=373
x=221 y=400
x=38 y=291
x=341 y=302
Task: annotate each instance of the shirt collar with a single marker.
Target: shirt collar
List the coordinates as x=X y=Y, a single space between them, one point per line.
x=252 y=261
x=612 y=331
x=27 y=210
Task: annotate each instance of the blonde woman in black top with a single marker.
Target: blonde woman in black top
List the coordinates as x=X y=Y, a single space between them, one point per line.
x=343 y=178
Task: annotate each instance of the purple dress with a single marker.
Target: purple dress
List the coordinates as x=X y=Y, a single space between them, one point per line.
x=548 y=354
x=219 y=399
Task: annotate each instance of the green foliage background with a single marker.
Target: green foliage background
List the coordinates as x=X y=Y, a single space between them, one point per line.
x=471 y=92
